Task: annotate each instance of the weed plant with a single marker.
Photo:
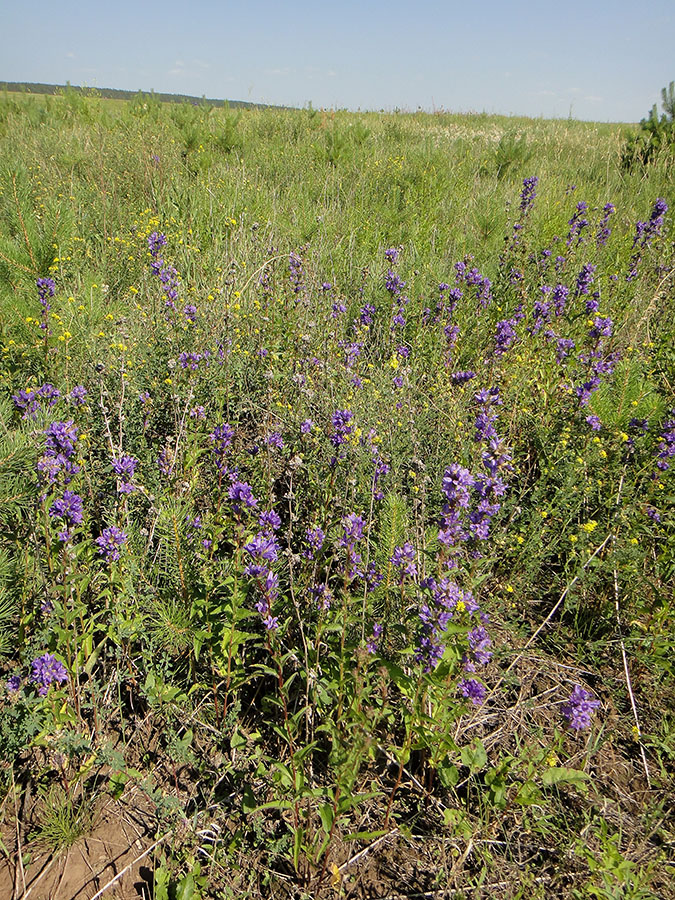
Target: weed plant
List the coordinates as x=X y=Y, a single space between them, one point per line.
x=336 y=482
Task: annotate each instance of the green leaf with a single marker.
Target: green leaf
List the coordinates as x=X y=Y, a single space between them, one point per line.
x=496 y=783
x=237 y=740
x=474 y=756
x=186 y=887
x=528 y=794
x=162 y=879
x=448 y=775
x=563 y=775
x=297 y=845
x=248 y=802
x=326 y=816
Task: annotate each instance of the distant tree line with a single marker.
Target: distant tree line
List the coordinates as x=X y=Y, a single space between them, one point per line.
x=115 y=94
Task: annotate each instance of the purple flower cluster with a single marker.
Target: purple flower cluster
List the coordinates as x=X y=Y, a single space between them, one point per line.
x=269 y=520
x=473 y=690
x=155 y=242
x=264 y=550
x=462 y=377
x=559 y=297
x=296 y=273
x=241 y=495
x=528 y=194
x=373 y=643
x=479 y=644
x=472 y=500
x=403 y=559
x=564 y=346
x=33 y=402
x=68 y=508
x=190 y=360
x=597 y=359
x=394 y=285
x=352 y=528
x=314 y=539
x=343 y=424
x=443 y=600
x=577 y=224
x=579 y=708
x=57 y=459
x=78 y=395
x=125 y=467
x=274 y=441
x=46 y=290
x=666 y=445
x=47 y=670
x=366 y=314
x=110 y=542
x=585 y=279
x=472 y=278
x=380 y=469
x=604 y=231
x=505 y=335
x=167 y=275
x=221 y=441
x=645 y=232
x=542 y=310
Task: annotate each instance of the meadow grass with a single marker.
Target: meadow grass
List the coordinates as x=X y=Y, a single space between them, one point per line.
x=336 y=497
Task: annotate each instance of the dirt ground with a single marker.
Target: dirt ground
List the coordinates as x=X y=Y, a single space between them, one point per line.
x=114 y=857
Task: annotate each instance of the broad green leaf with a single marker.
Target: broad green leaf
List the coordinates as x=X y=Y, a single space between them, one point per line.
x=474 y=756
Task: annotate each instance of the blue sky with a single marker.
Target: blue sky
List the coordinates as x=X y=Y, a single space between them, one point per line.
x=593 y=60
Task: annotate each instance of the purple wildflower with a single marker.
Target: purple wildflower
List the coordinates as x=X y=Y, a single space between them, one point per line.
x=124 y=467
x=77 y=395
x=585 y=279
x=528 y=194
x=240 y=494
x=155 y=241
x=275 y=441
x=314 y=538
x=61 y=438
x=472 y=690
x=47 y=670
x=579 y=708
x=479 y=641
x=110 y=542
x=269 y=520
x=263 y=547
x=604 y=231
x=353 y=526
x=68 y=508
x=372 y=644
x=462 y=377
x=666 y=444
x=221 y=441
x=366 y=314
x=403 y=559
x=456 y=484
x=577 y=224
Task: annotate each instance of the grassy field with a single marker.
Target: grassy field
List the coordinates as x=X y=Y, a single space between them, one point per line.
x=336 y=505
